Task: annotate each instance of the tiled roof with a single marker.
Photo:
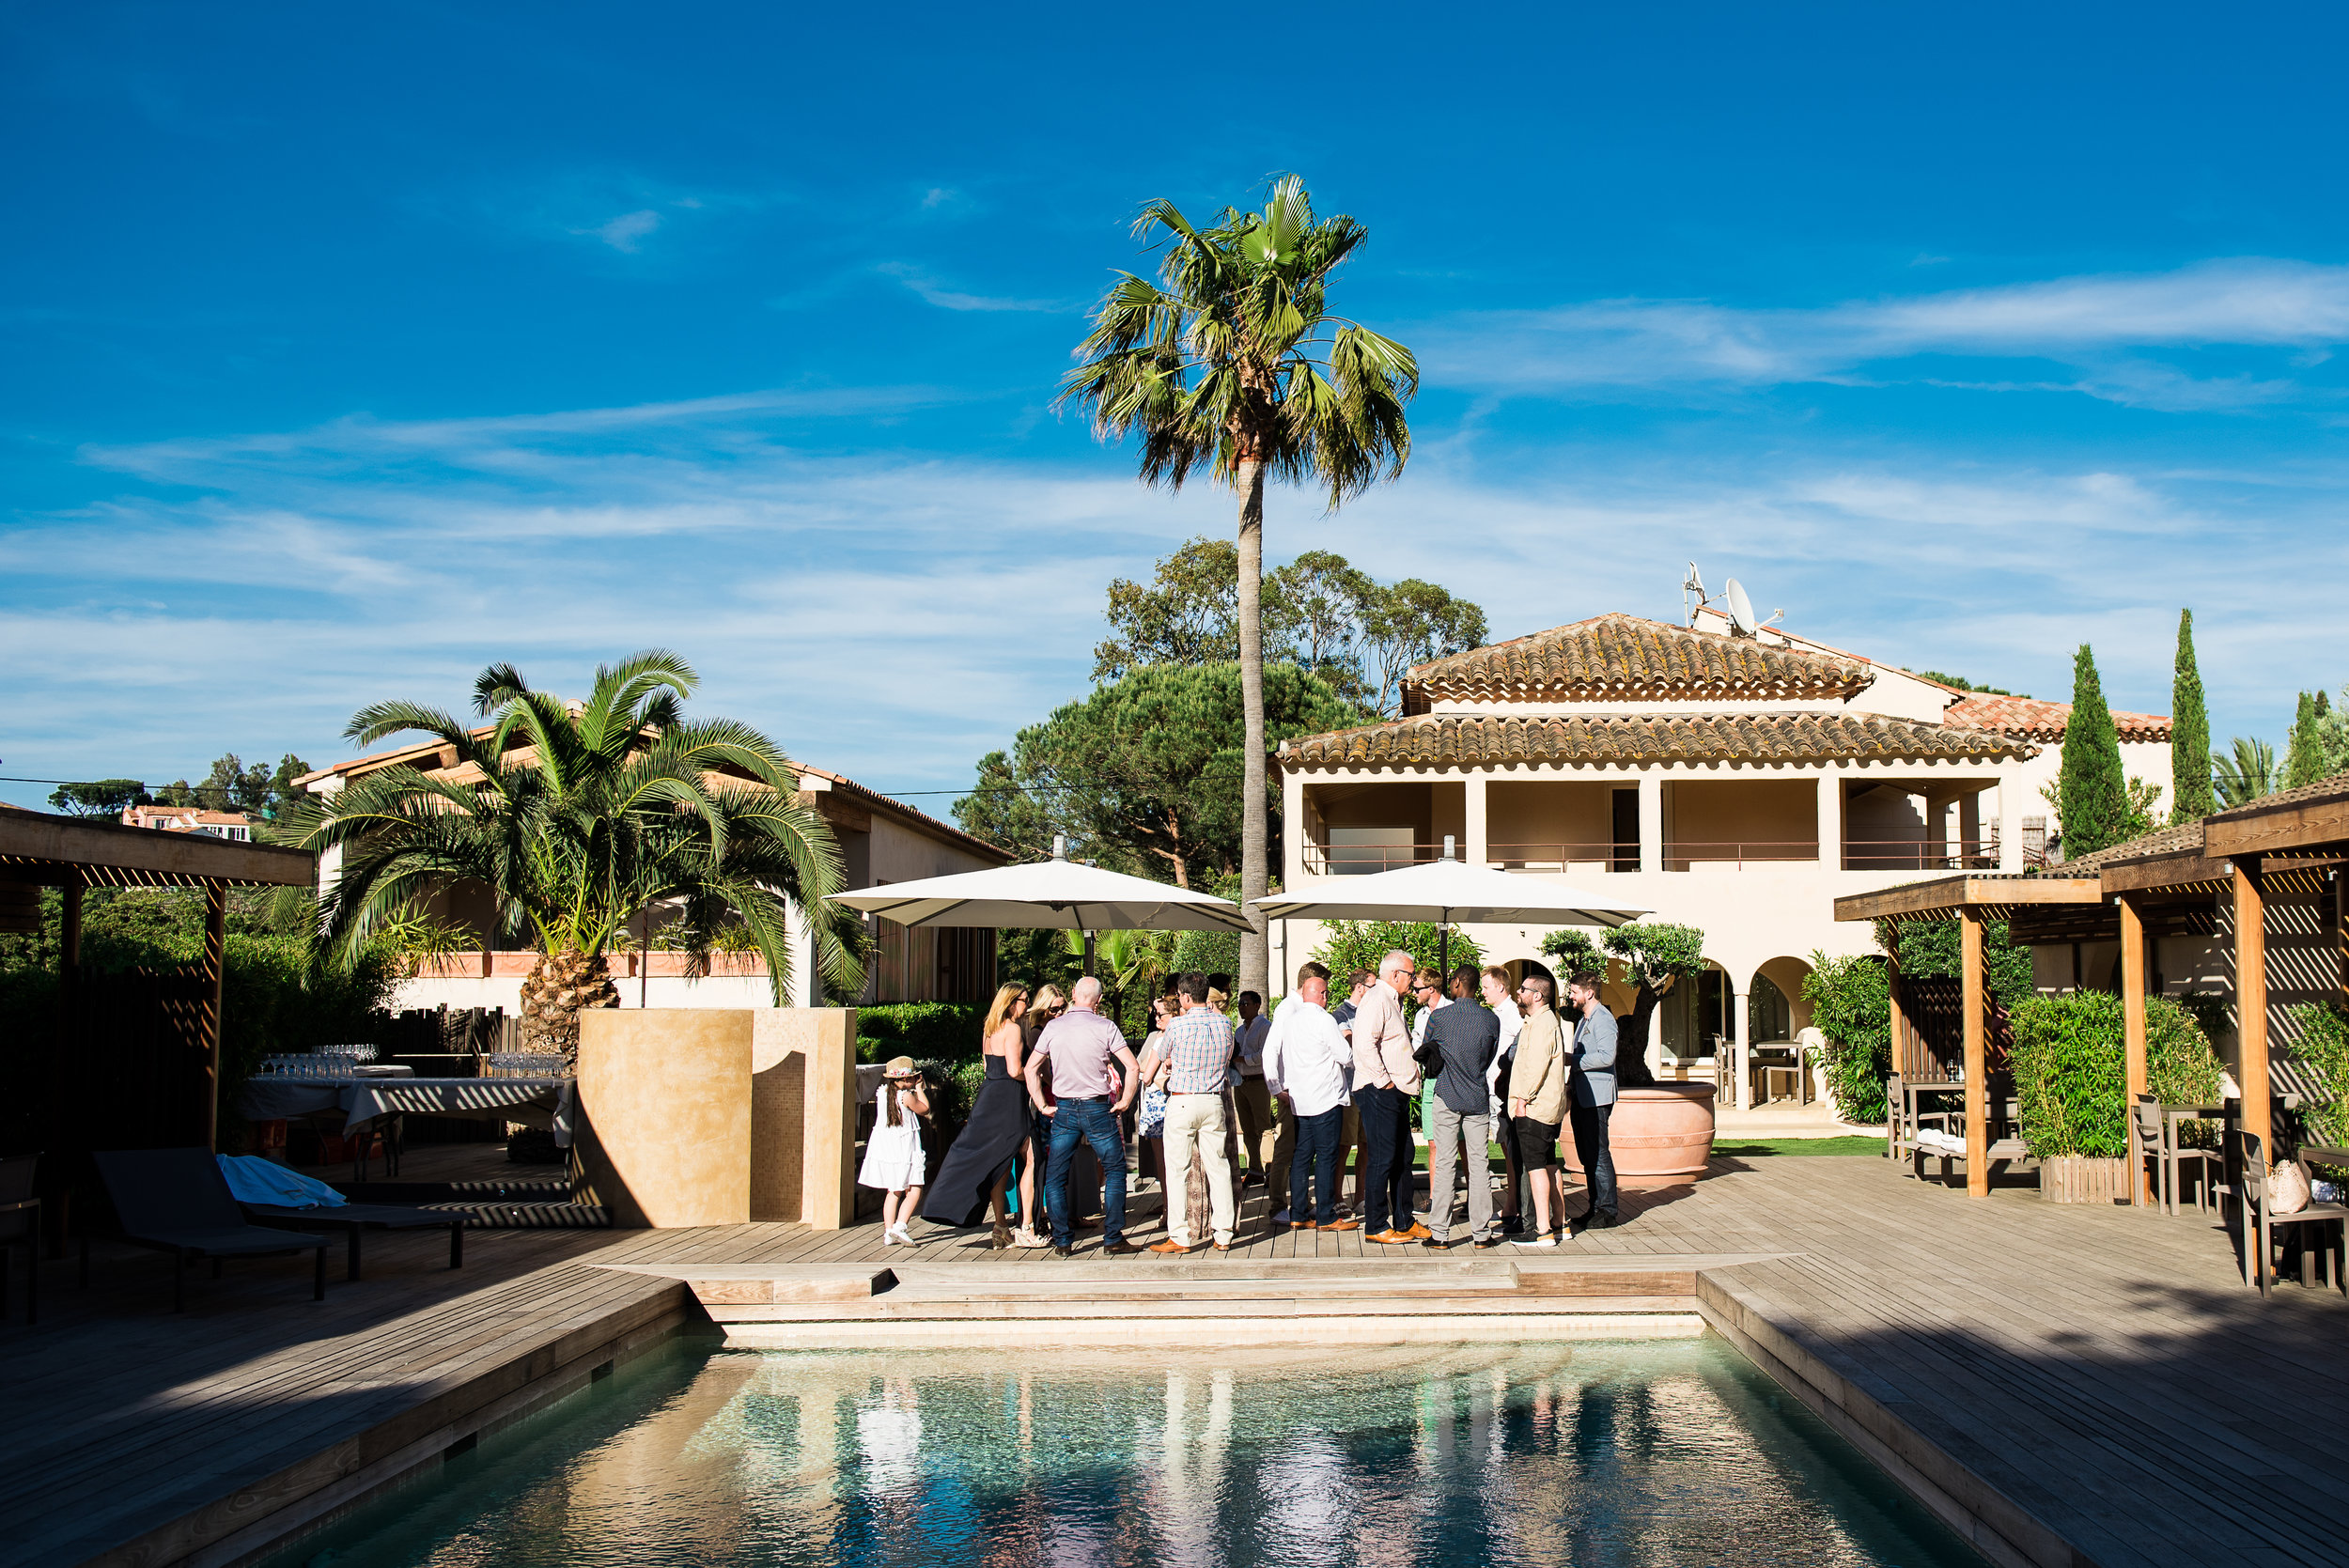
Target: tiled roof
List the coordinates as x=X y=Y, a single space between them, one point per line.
x=2184 y=837
x=2032 y=720
x=1614 y=655
x=1454 y=739
x=2324 y=789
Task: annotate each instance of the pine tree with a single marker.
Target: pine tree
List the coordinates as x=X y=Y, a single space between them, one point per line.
x=2189 y=733
x=2095 y=810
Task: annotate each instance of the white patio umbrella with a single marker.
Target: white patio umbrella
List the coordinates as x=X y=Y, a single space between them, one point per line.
x=1058 y=894
x=1451 y=893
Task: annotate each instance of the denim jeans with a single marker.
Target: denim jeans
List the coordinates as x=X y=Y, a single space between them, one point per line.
x=1093 y=1123
x=1387 y=1140
x=1315 y=1163
x=1598 y=1161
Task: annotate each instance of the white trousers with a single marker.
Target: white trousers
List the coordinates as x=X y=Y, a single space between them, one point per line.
x=1196 y=1122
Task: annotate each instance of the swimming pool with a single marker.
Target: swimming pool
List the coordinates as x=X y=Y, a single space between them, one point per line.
x=1670 y=1452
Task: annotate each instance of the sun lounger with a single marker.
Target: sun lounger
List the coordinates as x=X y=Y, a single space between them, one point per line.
x=351 y=1218
x=176 y=1200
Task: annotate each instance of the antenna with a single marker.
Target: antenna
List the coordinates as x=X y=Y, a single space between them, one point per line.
x=1740 y=610
x=1692 y=595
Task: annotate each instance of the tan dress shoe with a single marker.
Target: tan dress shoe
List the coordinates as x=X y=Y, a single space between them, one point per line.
x=1419 y=1232
x=1342 y=1225
x=1391 y=1238
x=1169 y=1246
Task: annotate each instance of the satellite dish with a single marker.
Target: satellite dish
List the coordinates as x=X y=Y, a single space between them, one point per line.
x=1740 y=609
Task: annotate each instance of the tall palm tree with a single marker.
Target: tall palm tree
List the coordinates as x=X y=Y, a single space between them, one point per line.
x=2244 y=774
x=605 y=809
x=1233 y=362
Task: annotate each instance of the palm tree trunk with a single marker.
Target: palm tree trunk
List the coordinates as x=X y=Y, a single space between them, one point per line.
x=1254 y=883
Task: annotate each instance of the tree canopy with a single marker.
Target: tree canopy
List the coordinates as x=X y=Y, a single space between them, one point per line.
x=2190 y=795
x=1141 y=775
x=1321 y=614
x=2095 y=813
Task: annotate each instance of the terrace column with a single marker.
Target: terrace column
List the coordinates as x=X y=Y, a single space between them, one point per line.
x=1477 y=851
x=1651 y=821
x=1977 y=1070
x=1738 y=1030
x=2010 y=826
x=1832 y=820
x=2251 y=1007
x=2133 y=1028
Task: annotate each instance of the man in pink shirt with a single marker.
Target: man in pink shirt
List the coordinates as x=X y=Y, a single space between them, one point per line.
x=1080 y=1044
x=1386 y=1079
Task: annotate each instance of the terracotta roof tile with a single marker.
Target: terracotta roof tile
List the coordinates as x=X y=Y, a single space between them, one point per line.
x=2324 y=789
x=2161 y=841
x=1455 y=739
x=2033 y=720
x=1615 y=654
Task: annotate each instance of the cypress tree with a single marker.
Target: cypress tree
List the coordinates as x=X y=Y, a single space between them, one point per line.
x=2304 y=756
x=2189 y=733
x=2095 y=792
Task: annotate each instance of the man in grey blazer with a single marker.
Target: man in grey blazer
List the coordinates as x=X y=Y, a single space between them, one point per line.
x=1590 y=1096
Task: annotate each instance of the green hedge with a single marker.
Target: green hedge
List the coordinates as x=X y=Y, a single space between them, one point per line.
x=1851 y=1004
x=2323 y=1051
x=2069 y=1075
x=931 y=1031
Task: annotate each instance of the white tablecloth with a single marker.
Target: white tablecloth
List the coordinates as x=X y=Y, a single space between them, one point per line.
x=535 y=1102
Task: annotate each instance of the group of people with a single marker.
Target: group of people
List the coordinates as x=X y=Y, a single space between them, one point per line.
x=1489 y=1062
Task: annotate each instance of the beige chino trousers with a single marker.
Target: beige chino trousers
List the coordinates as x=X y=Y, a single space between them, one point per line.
x=1194 y=1122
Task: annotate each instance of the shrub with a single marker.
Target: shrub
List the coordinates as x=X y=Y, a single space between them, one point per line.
x=1851 y=1004
x=2070 y=1076
x=2180 y=1068
x=2323 y=1050
x=1357 y=944
x=936 y=1031
x=1928 y=950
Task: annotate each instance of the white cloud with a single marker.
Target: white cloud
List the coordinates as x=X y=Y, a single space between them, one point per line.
x=932 y=292
x=624 y=232
x=2101 y=325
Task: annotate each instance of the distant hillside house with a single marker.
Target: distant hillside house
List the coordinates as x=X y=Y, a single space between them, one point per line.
x=881 y=840
x=190 y=819
x=1738 y=782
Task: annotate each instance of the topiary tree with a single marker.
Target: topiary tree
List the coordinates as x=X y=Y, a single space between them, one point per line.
x=2094 y=797
x=2190 y=793
x=1657 y=955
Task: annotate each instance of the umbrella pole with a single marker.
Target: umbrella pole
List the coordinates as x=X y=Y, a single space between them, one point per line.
x=1443 y=951
x=1088 y=952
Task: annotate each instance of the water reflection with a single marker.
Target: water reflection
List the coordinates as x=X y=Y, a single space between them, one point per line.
x=1670 y=1453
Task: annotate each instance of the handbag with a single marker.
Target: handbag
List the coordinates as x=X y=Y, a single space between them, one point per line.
x=2287 y=1188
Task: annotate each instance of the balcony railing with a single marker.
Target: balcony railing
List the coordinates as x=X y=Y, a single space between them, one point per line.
x=1682 y=854
x=1361 y=860
x=1908 y=854
x=1603 y=856
x=1584 y=859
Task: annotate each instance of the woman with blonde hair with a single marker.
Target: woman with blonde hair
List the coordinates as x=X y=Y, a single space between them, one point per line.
x=977 y=1170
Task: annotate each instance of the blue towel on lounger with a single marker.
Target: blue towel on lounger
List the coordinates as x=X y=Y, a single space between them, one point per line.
x=254 y=1180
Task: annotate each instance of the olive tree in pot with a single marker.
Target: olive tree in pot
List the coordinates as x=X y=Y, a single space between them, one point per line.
x=1661 y=1134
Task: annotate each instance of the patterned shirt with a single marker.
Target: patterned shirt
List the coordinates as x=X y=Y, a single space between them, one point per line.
x=1199 y=1051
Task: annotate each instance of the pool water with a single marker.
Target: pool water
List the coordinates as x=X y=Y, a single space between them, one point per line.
x=1672 y=1452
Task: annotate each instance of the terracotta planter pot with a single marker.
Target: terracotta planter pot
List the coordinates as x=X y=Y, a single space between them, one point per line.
x=1661 y=1135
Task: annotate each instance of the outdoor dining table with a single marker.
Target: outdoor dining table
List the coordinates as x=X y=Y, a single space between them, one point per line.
x=537 y=1102
x=2173 y=1115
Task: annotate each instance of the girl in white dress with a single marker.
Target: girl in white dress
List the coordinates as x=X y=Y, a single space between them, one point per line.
x=892 y=1155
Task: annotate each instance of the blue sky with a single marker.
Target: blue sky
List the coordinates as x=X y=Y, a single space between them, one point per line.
x=349 y=349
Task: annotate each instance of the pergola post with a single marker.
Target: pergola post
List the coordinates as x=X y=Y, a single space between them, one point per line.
x=215 y=961
x=1977 y=1071
x=2250 y=1006
x=2133 y=1026
x=1900 y=1009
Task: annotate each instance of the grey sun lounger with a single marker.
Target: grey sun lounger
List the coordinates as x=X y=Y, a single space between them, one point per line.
x=351 y=1218
x=176 y=1200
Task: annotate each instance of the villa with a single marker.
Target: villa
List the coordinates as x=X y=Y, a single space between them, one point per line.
x=233 y=825
x=1737 y=781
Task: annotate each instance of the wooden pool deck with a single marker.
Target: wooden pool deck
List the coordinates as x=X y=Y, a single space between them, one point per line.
x=2075 y=1386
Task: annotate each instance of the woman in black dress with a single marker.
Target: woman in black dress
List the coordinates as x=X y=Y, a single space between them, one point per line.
x=976 y=1169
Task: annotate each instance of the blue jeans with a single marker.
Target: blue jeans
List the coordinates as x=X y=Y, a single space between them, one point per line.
x=1096 y=1124
x=1316 y=1157
x=1598 y=1161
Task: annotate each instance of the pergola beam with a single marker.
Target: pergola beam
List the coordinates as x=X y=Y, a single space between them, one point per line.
x=1945 y=897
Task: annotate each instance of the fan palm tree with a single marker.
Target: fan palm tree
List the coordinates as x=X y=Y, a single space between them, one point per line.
x=1233 y=363
x=605 y=809
x=2245 y=774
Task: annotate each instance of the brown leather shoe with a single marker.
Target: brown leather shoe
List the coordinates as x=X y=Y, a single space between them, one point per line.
x=1419 y=1232
x=1342 y=1225
x=1222 y=1245
x=1120 y=1249
x=1391 y=1238
x=1305 y=1225
x=1169 y=1246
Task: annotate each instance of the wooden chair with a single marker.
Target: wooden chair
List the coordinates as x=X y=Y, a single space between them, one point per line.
x=2258 y=1226
x=19 y=1226
x=2149 y=1138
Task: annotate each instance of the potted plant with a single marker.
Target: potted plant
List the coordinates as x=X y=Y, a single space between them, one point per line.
x=1661 y=1134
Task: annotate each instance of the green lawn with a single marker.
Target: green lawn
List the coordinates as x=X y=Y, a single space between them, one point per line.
x=1750 y=1148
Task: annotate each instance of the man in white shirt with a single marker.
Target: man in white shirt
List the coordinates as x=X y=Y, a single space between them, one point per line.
x=1308 y=1065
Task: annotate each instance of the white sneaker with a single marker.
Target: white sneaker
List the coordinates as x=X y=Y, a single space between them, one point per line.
x=1544 y=1241
x=905 y=1237
x=889 y=1238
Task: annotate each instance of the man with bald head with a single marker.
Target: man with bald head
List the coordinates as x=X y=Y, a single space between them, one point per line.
x=1386 y=1078
x=1080 y=1044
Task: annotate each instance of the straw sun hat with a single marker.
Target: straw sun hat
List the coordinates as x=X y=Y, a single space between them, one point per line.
x=901 y=1066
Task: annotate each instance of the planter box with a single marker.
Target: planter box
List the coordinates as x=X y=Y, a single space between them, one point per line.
x=1660 y=1136
x=2074 y=1179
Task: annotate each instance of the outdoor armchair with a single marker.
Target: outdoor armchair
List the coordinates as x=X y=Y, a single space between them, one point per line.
x=176 y=1200
x=19 y=1226
x=2260 y=1224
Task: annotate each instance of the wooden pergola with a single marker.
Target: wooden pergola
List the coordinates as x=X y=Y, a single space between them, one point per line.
x=1973 y=900
x=71 y=854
